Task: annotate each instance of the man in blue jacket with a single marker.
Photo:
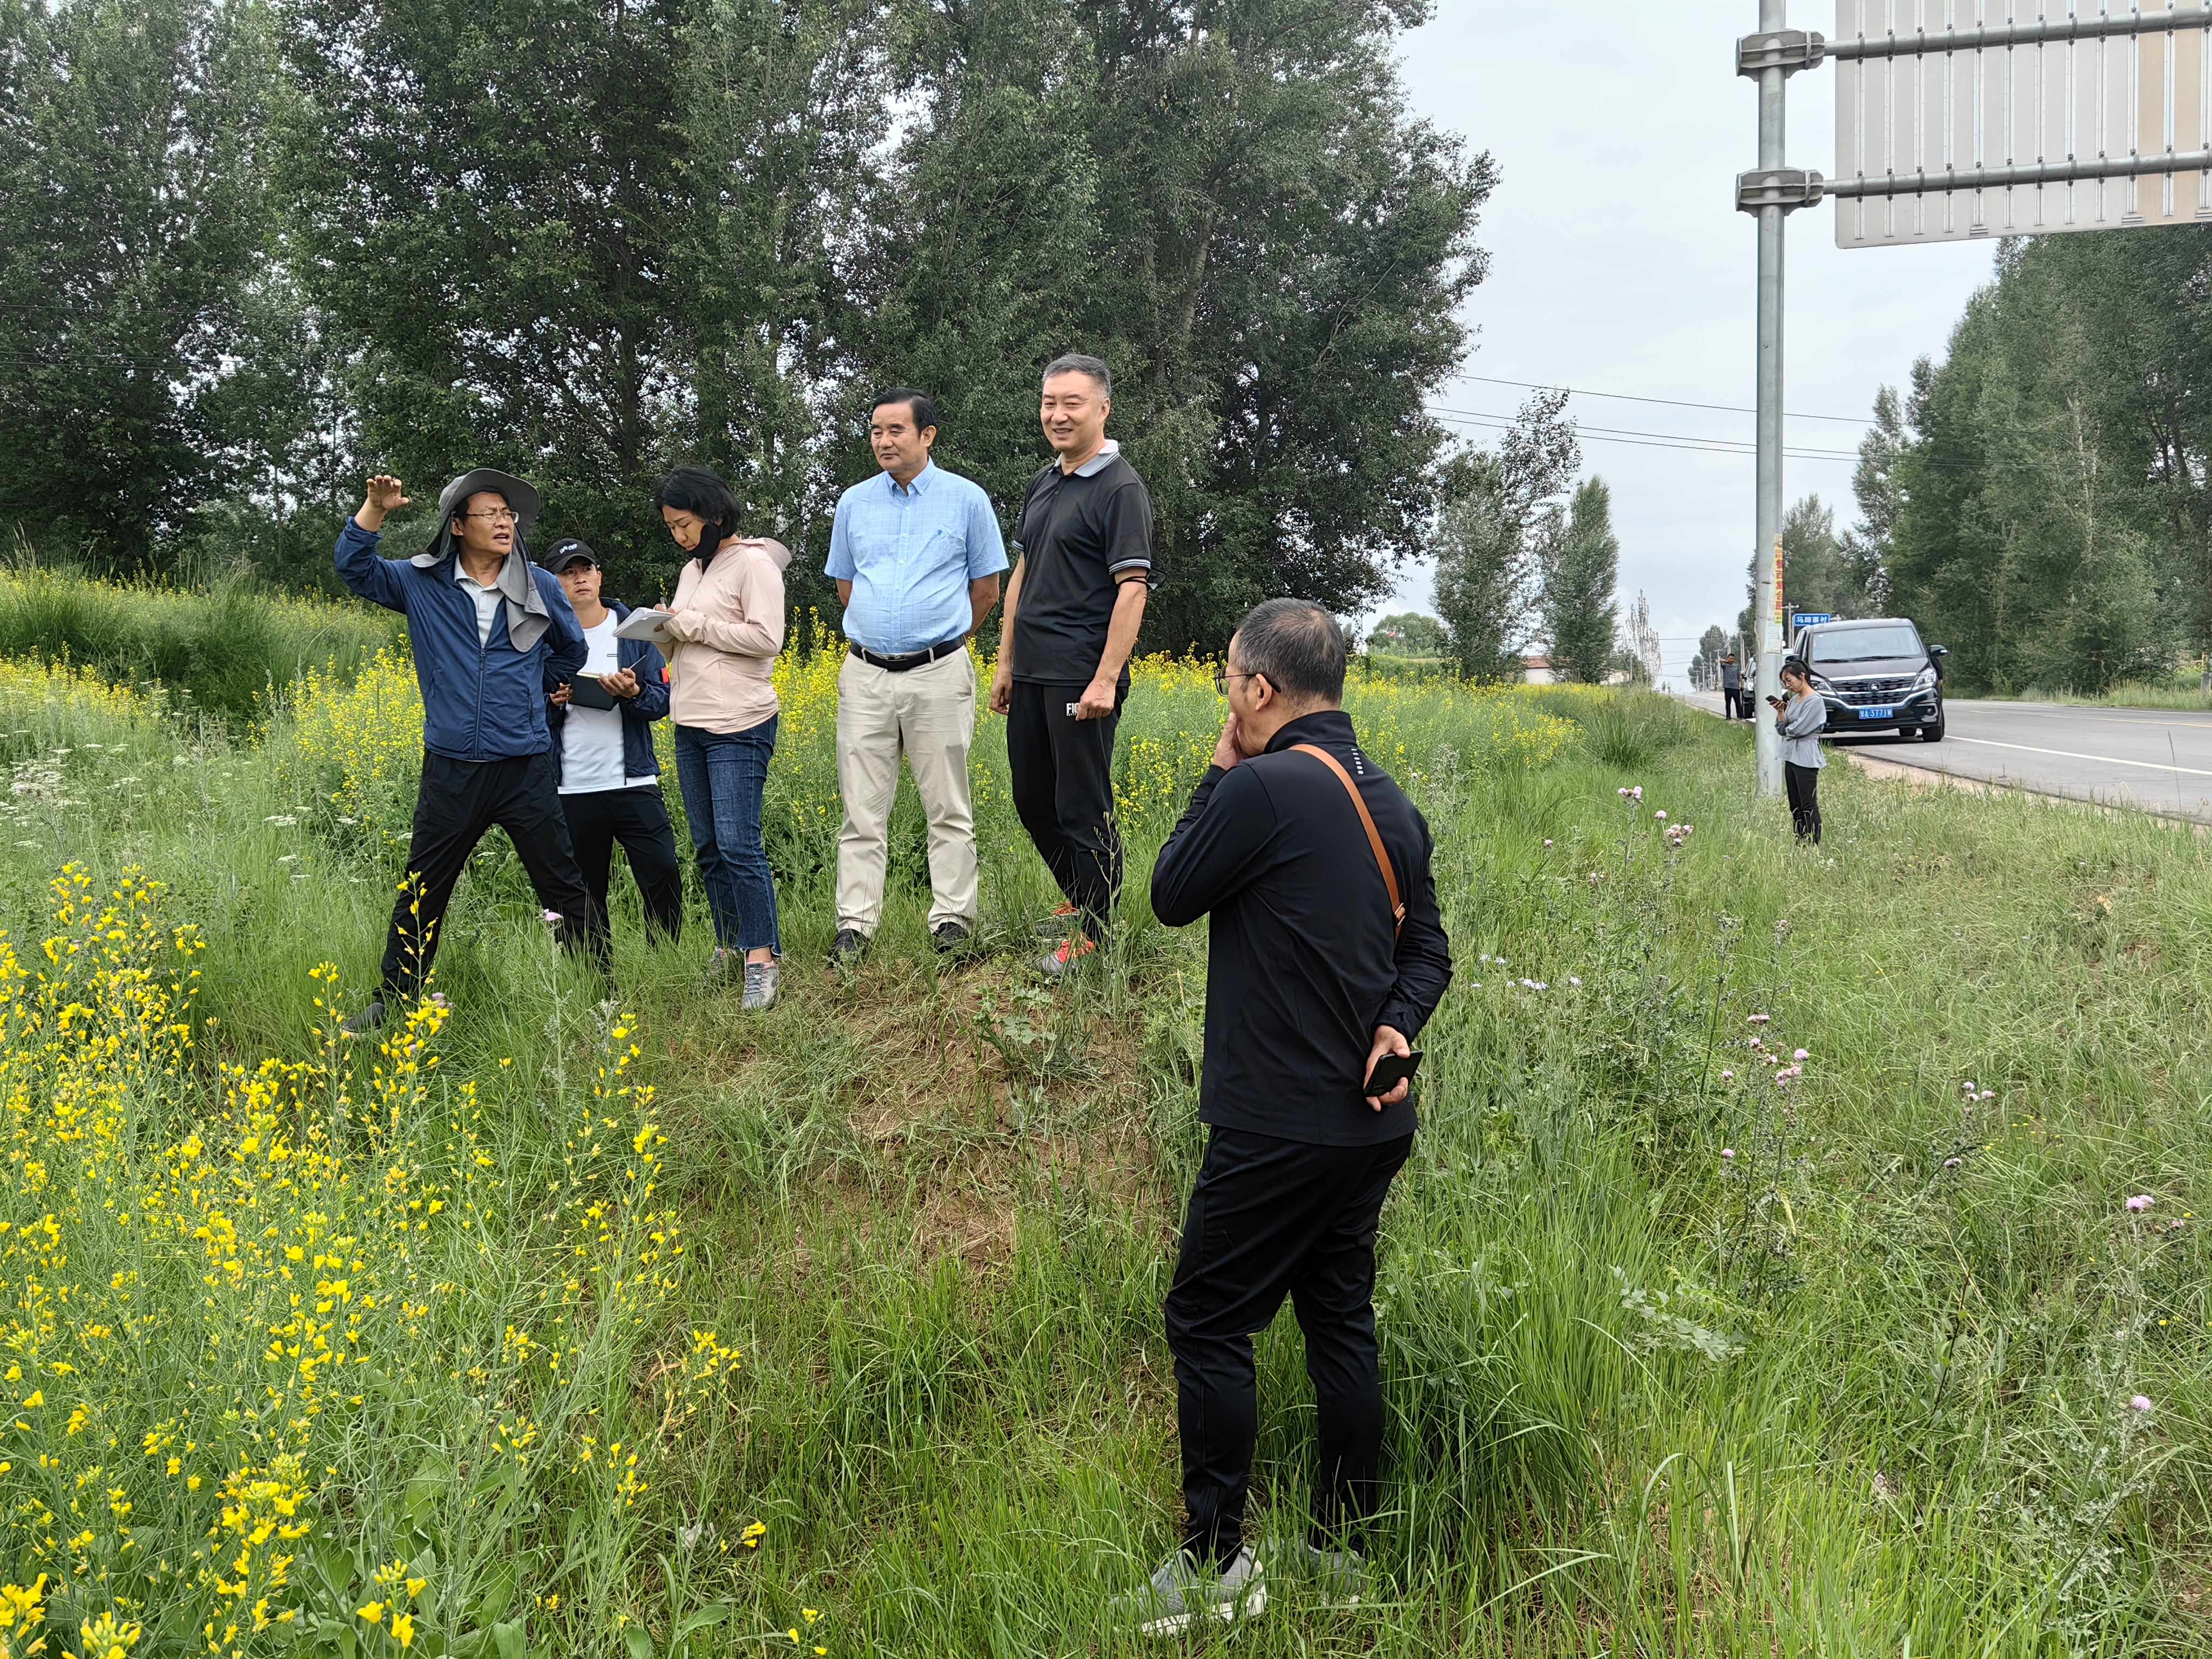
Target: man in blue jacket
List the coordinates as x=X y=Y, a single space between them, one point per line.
x=492 y=634
x=602 y=723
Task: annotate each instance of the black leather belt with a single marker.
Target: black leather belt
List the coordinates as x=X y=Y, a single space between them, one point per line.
x=899 y=665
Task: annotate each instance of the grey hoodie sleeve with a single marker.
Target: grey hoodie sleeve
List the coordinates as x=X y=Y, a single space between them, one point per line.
x=1803 y=718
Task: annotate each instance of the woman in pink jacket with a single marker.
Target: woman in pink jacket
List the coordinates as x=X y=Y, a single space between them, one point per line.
x=727 y=626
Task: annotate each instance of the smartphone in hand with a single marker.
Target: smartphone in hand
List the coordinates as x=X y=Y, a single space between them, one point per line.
x=1390 y=1071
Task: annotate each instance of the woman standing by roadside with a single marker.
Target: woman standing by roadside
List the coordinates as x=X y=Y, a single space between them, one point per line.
x=726 y=623
x=1801 y=721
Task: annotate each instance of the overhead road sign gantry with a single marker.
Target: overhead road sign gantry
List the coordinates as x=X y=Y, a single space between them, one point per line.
x=1959 y=118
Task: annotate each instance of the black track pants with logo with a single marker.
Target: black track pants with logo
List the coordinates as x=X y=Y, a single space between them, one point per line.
x=1062 y=771
x=1269 y=1218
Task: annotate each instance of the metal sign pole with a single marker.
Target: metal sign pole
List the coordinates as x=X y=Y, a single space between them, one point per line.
x=1770 y=57
x=1773 y=129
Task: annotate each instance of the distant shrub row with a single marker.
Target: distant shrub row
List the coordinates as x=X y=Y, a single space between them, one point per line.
x=224 y=648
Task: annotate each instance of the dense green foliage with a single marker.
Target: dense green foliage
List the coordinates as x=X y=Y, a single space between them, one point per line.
x=1229 y=204
x=1409 y=633
x=252 y=251
x=2042 y=502
x=135 y=224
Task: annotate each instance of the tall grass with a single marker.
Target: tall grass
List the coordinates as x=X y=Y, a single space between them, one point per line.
x=225 y=647
x=1679 y=1359
x=2183 y=692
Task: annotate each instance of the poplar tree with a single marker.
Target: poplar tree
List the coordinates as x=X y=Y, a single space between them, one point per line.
x=1581 y=571
x=133 y=231
x=1229 y=204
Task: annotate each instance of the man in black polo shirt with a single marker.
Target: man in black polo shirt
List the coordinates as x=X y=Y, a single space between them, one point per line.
x=1070 y=622
x=1326 y=953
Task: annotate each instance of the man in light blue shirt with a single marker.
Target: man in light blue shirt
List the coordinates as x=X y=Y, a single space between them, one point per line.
x=916 y=555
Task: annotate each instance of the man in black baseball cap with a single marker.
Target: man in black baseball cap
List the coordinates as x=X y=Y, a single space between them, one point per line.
x=490 y=632
x=610 y=778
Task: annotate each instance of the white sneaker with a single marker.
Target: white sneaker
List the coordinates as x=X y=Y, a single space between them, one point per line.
x=1183 y=1594
x=1340 y=1574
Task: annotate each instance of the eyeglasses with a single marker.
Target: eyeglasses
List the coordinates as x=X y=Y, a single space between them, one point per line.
x=1222 y=677
x=496 y=514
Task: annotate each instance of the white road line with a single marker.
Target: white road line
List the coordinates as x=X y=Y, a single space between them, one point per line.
x=2068 y=754
x=2112 y=717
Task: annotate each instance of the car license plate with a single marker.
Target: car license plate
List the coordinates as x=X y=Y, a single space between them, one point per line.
x=1876 y=713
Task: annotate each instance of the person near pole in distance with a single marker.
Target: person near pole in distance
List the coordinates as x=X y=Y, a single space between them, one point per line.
x=1072 y=611
x=726 y=621
x=602 y=722
x=1732 y=698
x=1801 y=721
x=1326 y=954
x=490 y=631
x=916 y=555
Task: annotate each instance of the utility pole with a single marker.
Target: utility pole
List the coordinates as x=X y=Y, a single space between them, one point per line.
x=1776 y=190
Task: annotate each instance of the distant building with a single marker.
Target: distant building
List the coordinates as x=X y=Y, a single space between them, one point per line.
x=1537 y=671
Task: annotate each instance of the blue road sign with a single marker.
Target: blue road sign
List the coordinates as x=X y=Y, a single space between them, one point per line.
x=1806 y=619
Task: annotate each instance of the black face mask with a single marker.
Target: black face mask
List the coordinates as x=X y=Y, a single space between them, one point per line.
x=713 y=533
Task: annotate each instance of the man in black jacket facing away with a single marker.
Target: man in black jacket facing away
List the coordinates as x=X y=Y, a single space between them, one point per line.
x=1311 y=980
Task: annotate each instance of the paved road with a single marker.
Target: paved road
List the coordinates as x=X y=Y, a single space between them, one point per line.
x=2155 y=759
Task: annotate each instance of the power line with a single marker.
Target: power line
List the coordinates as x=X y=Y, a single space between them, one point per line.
x=1673 y=402
x=1650 y=443
x=1745 y=445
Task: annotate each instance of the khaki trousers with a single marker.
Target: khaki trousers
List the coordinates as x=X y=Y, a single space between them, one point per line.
x=928 y=715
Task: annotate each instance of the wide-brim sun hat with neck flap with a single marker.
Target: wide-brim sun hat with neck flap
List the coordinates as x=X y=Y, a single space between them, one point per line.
x=521 y=496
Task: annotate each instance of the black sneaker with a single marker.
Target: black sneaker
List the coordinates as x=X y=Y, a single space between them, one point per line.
x=847 y=949
x=951 y=936
x=368 y=1020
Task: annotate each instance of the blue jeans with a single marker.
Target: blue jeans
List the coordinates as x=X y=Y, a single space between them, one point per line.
x=722 y=776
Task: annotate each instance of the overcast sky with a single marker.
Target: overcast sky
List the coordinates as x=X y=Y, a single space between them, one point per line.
x=1619 y=265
